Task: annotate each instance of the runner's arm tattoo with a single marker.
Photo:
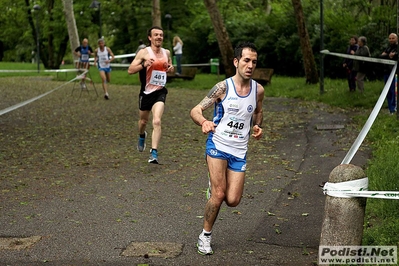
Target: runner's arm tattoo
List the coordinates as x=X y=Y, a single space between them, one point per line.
x=213 y=95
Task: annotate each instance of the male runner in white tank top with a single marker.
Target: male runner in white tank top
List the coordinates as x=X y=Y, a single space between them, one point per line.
x=152 y=63
x=104 y=56
x=238 y=108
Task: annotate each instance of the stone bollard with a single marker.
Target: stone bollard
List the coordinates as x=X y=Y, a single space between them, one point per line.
x=343 y=217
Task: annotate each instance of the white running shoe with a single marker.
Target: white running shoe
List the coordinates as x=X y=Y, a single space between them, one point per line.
x=204 y=244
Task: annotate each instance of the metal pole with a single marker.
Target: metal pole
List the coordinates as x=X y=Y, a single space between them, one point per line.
x=37 y=8
x=321 y=48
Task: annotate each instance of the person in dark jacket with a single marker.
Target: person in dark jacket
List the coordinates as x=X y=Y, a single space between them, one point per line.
x=360 y=66
x=391 y=53
x=348 y=63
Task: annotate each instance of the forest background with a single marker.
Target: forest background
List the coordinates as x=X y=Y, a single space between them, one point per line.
x=271 y=25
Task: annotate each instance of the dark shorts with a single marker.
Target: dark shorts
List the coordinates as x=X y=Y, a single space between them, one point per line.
x=146 y=101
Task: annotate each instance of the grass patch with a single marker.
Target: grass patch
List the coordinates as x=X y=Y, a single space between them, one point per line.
x=336 y=92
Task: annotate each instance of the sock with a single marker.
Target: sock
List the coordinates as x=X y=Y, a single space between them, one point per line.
x=154 y=149
x=142 y=136
x=206 y=233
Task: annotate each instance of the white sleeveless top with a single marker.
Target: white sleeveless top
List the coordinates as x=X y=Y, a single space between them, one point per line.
x=233 y=117
x=102 y=57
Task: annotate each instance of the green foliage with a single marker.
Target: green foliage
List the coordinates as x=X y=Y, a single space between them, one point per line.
x=380 y=232
x=124 y=22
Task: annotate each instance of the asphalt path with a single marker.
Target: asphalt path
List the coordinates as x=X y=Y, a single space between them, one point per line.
x=123 y=211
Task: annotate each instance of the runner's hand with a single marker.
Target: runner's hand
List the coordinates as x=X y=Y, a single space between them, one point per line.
x=170 y=68
x=258 y=132
x=208 y=126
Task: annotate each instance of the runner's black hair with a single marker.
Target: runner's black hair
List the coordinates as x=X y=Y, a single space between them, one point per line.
x=241 y=46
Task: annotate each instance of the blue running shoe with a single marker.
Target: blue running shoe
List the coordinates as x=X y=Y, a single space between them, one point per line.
x=153 y=157
x=141 y=143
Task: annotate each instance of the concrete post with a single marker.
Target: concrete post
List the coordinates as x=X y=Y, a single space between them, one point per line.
x=343 y=217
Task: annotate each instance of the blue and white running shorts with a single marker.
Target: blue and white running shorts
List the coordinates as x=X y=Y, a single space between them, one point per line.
x=105 y=69
x=233 y=163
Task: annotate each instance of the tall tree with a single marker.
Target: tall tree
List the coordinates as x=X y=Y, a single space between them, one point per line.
x=71 y=25
x=309 y=63
x=156 y=13
x=225 y=47
x=53 y=39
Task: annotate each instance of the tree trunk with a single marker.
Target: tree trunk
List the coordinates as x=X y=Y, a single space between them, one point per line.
x=309 y=64
x=71 y=25
x=225 y=47
x=156 y=13
x=268 y=7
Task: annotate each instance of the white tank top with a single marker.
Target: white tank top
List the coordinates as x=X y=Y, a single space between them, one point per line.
x=233 y=117
x=102 y=57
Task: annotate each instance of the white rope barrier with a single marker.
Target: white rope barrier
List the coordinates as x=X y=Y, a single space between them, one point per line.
x=16 y=106
x=358 y=188
x=362 y=58
x=366 y=128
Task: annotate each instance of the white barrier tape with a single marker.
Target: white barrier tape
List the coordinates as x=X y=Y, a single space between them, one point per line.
x=362 y=58
x=340 y=189
x=15 y=71
x=65 y=70
x=355 y=146
x=119 y=56
x=371 y=194
x=359 y=188
x=16 y=106
x=183 y=65
x=356 y=188
x=47 y=70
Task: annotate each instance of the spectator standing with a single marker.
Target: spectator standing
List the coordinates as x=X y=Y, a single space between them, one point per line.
x=361 y=67
x=178 y=49
x=83 y=51
x=391 y=53
x=348 y=63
